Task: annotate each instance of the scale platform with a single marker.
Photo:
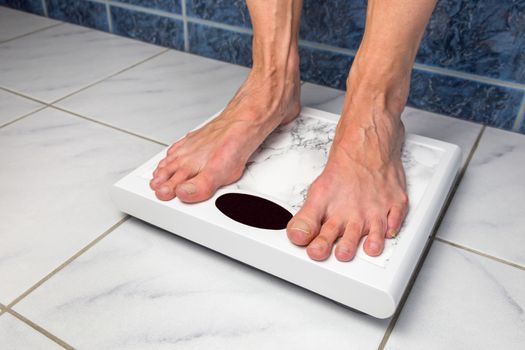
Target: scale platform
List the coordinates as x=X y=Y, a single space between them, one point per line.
x=275 y=183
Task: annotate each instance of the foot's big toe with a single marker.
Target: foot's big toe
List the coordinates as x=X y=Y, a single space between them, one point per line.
x=197 y=189
x=299 y=232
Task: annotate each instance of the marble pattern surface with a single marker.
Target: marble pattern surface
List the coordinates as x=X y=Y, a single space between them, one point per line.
x=324 y=67
x=416 y=121
x=173 y=6
x=14 y=106
x=338 y=23
x=232 y=12
x=163 y=98
x=154 y=29
x=301 y=148
x=53 y=63
x=149 y=289
x=33 y=6
x=486 y=213
x=483 y=103
x=469 y=100
x=486 y=38
x=15 y=334
x=220 y=44
x=481 y=37
x=462 y=301
x=56 y=172
x=86 y=13
x=16 y=23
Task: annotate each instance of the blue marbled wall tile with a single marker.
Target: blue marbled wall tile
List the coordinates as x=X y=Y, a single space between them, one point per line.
x=33 y=6
x=339 y=23
x=153 y=29
x=324 y=67
x=220 y=44
x=233 y=12
x=481 y=37
x=85 y=13
x=173 y=6
x=483 y=103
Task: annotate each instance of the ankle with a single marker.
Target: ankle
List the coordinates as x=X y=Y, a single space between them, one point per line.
x=385 y=90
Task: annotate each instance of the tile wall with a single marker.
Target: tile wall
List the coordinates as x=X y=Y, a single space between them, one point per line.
x=471 y=63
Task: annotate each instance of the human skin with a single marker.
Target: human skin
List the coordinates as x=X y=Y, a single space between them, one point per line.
x=362 y=189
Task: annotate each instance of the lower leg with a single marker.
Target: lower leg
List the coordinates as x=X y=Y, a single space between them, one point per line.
x=362 y=190
x=216 y=154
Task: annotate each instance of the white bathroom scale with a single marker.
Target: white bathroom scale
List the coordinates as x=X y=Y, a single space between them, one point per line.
x=247 y=220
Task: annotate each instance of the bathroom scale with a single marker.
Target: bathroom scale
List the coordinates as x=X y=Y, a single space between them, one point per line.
x=247 y=220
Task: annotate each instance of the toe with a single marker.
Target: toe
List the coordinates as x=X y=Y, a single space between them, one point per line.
x=304 y=226
x=198 y=188
x=376 y=238
x=171 y=150
x=347 y=246
x=162 y=174
x=166 y=191
x=396 y=216
x=321 y=246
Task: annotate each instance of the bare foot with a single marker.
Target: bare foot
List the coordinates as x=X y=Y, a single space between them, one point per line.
x=362 y=190
x=216 y=154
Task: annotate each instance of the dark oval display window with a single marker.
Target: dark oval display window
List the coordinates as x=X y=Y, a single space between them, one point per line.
x=253 y=211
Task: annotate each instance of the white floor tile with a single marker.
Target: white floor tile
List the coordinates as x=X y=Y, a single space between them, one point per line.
x=16 y=23
x=163 y=98
x=487 y=212
x=55 y=62
x=56 y=170
x=459 y=132
x=462 y=301
x=143 y=288
x=16 y=335
x=14 y=106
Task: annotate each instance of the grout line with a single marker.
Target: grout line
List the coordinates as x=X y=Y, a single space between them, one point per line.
x=520 y=117
x=110 y=76
x=469 y=76
x=418 y=66
x=22 y=117
x=108 y=125
x=110 y=21
x=325 y=47
x=164 y=50
x=23 y=95
x=474 y=251
x=40 y=329
x=44 y=6
x=425 y=252
x=33 y=32
x=218 y=25
x=67 y=262
x=185 y=26
x=147 y=10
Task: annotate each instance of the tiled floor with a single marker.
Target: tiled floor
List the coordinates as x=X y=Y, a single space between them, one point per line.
x=80 y=108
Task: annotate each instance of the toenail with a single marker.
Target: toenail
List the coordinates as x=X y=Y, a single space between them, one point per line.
x=392 y=233
x=374 y=246
x=189 y=188
x=164 y=190
x=345 y=250
x=301 y=226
